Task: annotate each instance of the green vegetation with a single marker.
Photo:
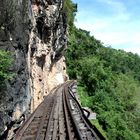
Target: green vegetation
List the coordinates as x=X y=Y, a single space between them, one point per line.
x=97 y=125
x=70 y=10
x=5 y=62
x=108 y=83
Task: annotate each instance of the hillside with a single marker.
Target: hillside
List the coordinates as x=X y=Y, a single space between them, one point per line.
x=109 y=83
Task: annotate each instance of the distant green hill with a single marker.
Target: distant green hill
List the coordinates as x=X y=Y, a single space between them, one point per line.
x=108 y=81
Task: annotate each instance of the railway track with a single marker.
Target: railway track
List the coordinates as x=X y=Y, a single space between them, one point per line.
x=58 y=117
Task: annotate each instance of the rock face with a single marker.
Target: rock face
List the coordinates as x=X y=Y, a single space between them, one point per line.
x=35 y=32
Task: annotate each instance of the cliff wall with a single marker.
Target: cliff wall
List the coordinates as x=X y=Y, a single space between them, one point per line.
x=35 y=32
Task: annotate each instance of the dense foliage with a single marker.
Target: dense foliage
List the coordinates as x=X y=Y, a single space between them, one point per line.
x=69 y=10
x=5 y=62
x=109 y=83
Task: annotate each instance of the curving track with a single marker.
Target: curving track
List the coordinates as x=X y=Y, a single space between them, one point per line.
x=58 y=117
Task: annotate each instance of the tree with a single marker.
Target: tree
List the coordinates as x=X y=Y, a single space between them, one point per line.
x=5 y=63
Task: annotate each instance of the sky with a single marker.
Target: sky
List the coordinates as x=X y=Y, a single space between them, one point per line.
x=115 y=22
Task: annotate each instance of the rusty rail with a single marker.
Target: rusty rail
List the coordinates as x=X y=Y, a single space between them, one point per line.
x=59 y=116
x=90 y=126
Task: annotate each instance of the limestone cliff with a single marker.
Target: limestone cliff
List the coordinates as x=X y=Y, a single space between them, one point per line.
x=35 y=32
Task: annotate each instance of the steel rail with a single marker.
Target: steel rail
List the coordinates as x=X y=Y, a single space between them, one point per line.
x=26 y=124
x=91 y=127
x=66 y=117
x=73 y=120
x=45 y=122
